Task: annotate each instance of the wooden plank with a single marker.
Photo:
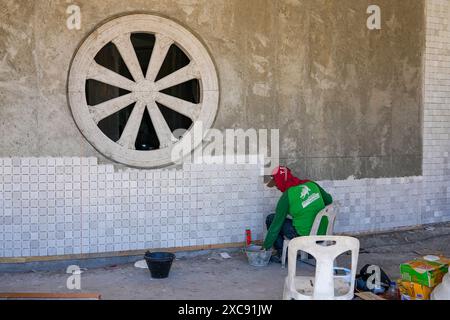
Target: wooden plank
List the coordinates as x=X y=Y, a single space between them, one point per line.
x=122 y=253
x=49 y=296
x=368 y=296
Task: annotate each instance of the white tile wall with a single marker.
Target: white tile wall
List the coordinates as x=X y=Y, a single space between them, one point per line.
x=57 y=206
x=436 y=167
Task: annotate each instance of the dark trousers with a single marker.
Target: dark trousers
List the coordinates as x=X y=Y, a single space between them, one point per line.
x=287 y=231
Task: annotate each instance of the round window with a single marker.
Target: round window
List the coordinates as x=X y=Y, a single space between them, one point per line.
x=136 y=81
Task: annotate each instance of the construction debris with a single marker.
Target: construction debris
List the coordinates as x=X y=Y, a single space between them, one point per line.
x=141 y=264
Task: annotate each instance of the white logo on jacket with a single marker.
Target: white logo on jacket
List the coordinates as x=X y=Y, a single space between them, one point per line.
x=311 y=199
x=305 y=192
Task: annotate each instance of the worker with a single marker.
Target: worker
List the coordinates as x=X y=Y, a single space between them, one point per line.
x=302 y=200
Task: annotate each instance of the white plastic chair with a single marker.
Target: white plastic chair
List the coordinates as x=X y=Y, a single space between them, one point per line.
x=328 y=212
x=324 y=285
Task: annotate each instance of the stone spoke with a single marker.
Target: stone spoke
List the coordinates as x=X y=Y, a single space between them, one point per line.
x=187 y=73
x=130 y=133
x=105 y=109
x=160 y=49
x=102 y=74
x=128 y=53
x=186 y=108
x=162 y=129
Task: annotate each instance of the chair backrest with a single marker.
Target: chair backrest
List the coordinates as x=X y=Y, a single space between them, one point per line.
x=325 y=249
x=330 y=213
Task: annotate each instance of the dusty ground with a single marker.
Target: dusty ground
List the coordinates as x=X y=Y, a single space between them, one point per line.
x=211 y=277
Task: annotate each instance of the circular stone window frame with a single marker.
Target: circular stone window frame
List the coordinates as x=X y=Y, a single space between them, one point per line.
x=167 y=32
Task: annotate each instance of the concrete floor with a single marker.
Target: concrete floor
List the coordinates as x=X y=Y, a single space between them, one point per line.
x=209 y=277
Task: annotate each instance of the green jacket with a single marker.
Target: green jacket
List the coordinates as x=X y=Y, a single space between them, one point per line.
x=302 y=203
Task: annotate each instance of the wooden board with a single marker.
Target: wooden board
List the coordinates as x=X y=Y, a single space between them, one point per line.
x=368 y=296
x=49 y=296
x=122 y=253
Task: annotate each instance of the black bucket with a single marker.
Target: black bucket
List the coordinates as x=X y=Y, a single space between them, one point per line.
x=159 y=263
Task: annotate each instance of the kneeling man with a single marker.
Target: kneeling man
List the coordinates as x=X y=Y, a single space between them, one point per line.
x=302 y=200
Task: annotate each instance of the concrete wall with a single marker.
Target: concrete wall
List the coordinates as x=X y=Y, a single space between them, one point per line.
x=347 y=100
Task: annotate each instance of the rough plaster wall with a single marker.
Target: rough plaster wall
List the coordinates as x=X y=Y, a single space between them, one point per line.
x=348 y=101
x=359 y=91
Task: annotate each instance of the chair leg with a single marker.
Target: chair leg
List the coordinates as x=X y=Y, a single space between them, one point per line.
x=286 y=295
x=284 y=253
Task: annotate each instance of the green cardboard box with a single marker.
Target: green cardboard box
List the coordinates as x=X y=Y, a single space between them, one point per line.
x=424 y=272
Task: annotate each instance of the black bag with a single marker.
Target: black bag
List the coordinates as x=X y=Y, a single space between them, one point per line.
x=364 y=275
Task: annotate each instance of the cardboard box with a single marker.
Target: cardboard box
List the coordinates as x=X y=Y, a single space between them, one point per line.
x=424 y=272
x=414 y=291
